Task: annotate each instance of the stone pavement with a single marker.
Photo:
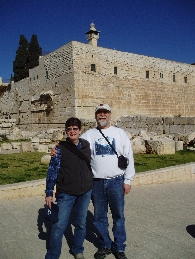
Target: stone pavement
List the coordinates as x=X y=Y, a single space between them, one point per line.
x=160 y=221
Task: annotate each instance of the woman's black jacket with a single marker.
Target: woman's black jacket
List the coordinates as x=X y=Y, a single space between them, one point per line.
x=74 y=176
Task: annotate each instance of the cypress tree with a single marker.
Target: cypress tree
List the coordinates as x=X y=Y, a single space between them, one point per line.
x=34 y=52
x=20 y=63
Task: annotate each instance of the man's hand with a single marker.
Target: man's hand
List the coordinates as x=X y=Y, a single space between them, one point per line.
x=127 y=188
x=48 y=201
x=53 y=151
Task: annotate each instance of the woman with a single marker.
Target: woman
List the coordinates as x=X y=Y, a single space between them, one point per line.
x=70 y=171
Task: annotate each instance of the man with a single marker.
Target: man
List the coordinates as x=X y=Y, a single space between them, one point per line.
x=110 y=182
x=70 y=171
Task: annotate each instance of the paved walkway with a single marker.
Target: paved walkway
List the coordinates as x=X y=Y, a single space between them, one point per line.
x=160 y=220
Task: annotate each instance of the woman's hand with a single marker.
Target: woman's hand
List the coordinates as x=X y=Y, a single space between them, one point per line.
x=48 y=201
x=53 y=151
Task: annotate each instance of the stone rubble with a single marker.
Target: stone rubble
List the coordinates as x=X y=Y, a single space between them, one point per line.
x=142 y=140
x=42 y=141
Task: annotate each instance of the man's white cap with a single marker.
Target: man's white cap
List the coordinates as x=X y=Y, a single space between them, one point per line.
x=102 y=106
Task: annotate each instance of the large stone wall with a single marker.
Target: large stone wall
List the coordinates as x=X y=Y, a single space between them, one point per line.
x=46 y=98
x=177 y=126
x=130 y=92
x=63 y=85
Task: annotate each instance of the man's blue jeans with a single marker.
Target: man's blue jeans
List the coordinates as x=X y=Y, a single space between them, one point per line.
x=65 y=204
x=110 y=191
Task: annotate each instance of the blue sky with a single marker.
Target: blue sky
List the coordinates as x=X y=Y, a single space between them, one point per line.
x=158 y=28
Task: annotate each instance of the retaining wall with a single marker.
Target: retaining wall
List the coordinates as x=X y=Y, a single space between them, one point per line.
x=179 y=173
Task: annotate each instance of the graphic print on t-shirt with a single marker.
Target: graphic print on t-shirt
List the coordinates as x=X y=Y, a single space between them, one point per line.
x=103 y=148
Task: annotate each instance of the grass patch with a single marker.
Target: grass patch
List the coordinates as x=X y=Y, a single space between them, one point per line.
x=22 y=167
x=146 y=162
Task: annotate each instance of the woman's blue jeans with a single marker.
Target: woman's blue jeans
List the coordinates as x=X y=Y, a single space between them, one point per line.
x=110 y=191
x=65 y=204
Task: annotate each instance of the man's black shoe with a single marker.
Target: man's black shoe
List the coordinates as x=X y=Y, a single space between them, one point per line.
x=102 y=253
x=120 y=255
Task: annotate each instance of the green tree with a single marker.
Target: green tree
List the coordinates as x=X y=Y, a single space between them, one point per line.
x=21 y=60
x=34 y=52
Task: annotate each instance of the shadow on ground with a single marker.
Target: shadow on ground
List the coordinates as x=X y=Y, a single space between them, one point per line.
x=191 y=230
x=44 y=228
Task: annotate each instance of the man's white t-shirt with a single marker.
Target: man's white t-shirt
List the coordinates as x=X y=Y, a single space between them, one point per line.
x=104 y=161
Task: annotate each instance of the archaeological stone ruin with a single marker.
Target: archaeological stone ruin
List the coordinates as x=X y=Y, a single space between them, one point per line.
x=146 y=94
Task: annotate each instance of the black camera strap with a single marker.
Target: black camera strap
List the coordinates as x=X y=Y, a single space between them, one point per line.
x=75 y=150
x=122 y=161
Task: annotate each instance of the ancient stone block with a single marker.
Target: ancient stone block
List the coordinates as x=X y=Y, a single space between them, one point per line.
x=162 y=146
x=57 y=136
x=138 y=146
x=157 y=128
x=180 y=120
x=190 y=120
x=174 y=129
x=178 y=145
x=187 y=129
x=6 y=125
x=16 y=145
x=44 y=141
x=26 y=147
x=190 y=137
x=166 y=129
x=168 y=120
x=35 y=140
x=45 y=159
x=6 y=146
x=42 y=148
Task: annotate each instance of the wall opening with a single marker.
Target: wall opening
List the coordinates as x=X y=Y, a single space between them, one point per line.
x=93 y=68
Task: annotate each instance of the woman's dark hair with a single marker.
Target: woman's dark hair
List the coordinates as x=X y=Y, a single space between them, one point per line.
x=73 y=122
